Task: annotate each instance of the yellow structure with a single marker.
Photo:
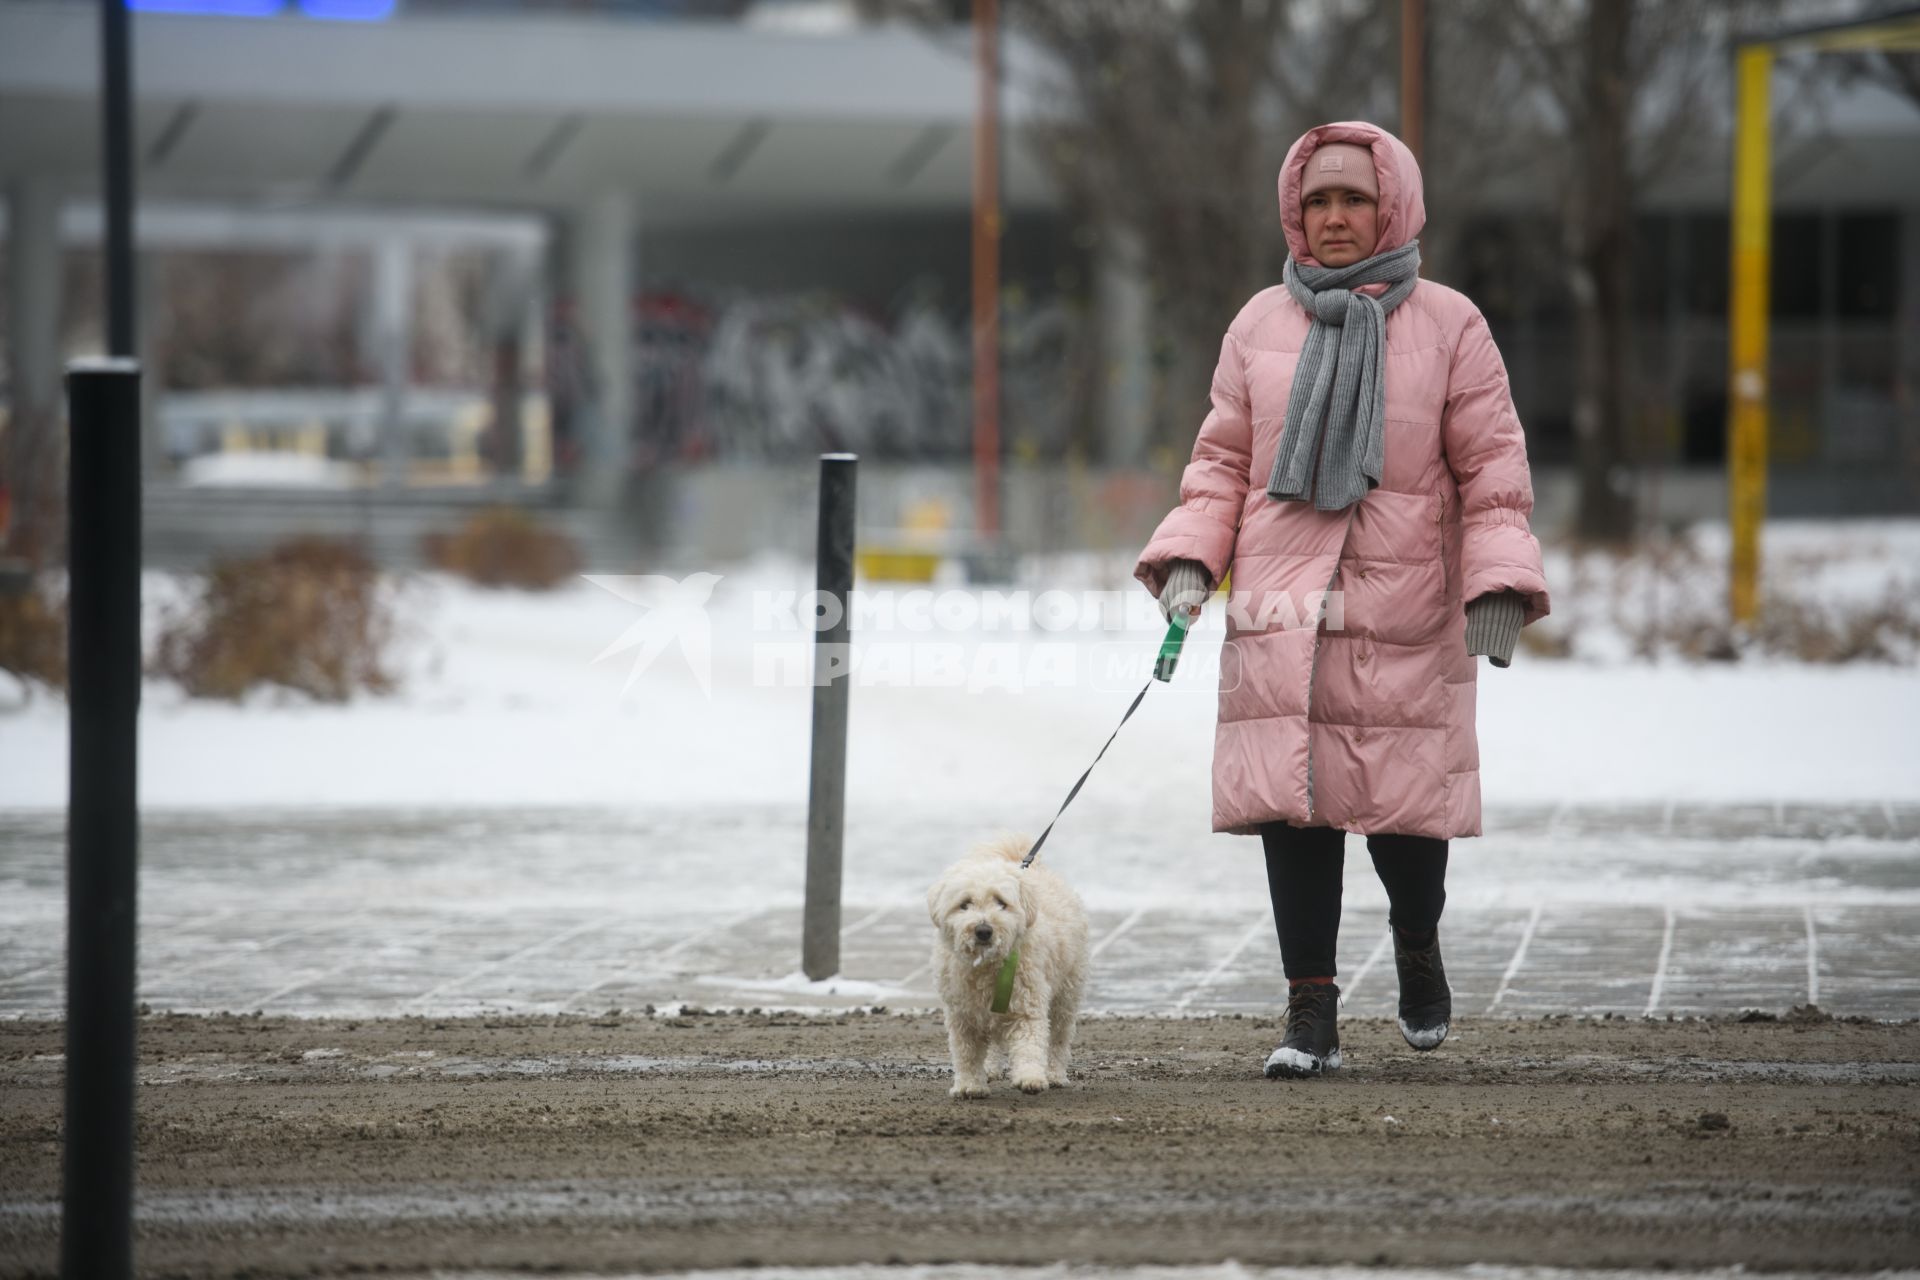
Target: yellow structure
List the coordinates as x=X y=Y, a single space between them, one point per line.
x=1747 y=394
x=1752 y=261
x=911 y=553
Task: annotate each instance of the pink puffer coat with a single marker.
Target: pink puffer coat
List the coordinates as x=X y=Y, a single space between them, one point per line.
x=1364 y=721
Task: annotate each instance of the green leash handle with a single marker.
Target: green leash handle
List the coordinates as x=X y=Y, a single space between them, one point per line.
x=1170 y=647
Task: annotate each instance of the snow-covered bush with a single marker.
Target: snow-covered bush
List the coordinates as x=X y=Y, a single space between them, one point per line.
x=505 y=547
x=311 y=614
x=1829 y=593
x=33 y=633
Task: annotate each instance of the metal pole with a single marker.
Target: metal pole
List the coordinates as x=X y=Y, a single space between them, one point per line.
x=1747 y=394
x=986 y=271
x=1413 y=76
x=103 y=700
x=393 y=304
x=116 y=123
x=826 y=800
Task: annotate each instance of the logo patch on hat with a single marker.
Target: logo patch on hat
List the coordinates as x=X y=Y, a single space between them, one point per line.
x=1332 y=163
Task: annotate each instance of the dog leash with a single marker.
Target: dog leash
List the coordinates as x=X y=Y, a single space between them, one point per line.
x=1163 y=671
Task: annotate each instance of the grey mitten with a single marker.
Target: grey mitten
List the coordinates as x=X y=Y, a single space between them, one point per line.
x=1187 y=583
x=1493 y=625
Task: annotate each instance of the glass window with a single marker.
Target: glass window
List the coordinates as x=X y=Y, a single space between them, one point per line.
x=1706 y=271
x=1869 y=265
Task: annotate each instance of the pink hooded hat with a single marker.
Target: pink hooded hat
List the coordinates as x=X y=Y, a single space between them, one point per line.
x=1403 y=211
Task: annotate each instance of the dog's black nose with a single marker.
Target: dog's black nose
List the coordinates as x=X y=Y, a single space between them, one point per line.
x=984 y=933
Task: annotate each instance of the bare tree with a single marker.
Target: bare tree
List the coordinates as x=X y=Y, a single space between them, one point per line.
x=1617 y=93
x=1175 y=120
x=1168 y=127
x=1174 y=117
x=1896 y=70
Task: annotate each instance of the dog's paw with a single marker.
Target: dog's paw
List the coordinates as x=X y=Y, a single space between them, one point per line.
x=968 y=1089
x=1058 y=1079
x=1030 y=1083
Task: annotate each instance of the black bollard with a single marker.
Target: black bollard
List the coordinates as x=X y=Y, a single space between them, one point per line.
x=103 y=701
x=826 y=799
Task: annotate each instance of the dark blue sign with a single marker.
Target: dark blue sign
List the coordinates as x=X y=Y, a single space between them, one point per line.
x=329 y=10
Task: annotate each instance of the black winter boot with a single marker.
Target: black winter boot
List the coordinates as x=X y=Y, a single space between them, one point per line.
x=1426 y=1001
x=1312 y=1043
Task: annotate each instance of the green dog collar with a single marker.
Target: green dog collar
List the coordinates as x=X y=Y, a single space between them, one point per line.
x=1003 y=985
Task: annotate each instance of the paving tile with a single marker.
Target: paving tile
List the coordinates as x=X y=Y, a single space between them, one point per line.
x=1668 y=907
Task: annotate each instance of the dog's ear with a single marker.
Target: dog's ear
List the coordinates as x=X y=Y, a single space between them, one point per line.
x=1029 y=901
x=934 y=895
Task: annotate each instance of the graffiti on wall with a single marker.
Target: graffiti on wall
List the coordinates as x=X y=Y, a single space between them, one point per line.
x=789 y=376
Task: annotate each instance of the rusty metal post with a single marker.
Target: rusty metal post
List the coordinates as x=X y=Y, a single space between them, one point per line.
x=1413 y=77
x=987 y=227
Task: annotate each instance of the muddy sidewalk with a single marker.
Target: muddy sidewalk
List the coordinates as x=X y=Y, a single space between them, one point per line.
x=276 y=1146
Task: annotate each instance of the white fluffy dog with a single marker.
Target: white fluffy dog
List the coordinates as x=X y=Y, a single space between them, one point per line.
x=985 y=906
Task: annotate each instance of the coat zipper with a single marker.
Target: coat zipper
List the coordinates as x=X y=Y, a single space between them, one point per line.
x=1313 y=663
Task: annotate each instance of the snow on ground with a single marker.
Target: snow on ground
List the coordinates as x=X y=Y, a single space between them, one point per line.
x=523 y=823
x=265 y=469
x=505 y=706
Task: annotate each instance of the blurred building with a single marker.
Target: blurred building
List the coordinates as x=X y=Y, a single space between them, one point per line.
x=640 y=260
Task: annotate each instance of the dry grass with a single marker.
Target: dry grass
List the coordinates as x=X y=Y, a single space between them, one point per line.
x=308 y=615
x=33 y=633
x=505 y=547
x=1886 y=630
x=1542 y=643
x=1669 y=598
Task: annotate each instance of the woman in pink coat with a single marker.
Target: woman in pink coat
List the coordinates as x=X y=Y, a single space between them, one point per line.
x=1364 y=476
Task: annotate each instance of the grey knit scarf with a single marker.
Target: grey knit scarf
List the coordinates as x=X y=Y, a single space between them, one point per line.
x=1340 y=384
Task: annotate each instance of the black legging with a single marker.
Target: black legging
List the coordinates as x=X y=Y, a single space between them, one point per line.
x=1304 y=869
